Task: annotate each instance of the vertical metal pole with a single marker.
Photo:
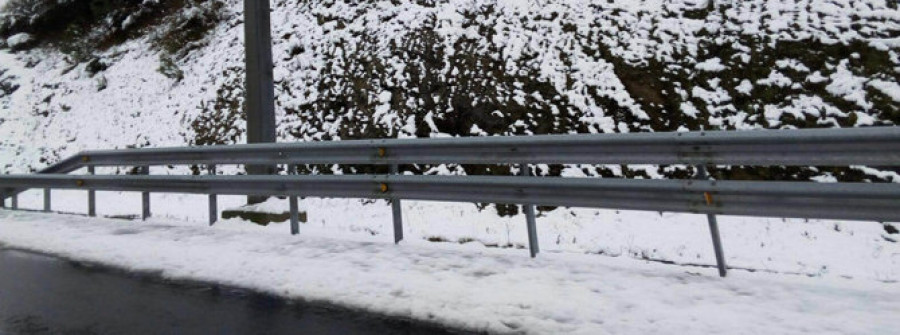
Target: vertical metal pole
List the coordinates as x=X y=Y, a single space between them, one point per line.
x=47 y=200
x=397 y=211
x=714 y=229
x=145 y=197
x=529 y=218
x=92 y=196
x=213 y=200
x=260 y=88
x=295 y=215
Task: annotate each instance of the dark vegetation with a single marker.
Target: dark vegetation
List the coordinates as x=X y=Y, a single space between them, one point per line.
x=221 y=121
x=84 y=29
x=6 y=85
x=472 y=89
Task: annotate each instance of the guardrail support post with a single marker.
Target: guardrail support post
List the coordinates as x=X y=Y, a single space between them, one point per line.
x=293 y=200
x=47 y=204
x=92 y=196
x=145 y=197
x=397 y=211
x=295 y=216
x=714 y=230
x=530 y=218
x=213 y=200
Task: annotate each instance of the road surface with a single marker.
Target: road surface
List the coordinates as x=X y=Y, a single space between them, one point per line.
x=45 y=295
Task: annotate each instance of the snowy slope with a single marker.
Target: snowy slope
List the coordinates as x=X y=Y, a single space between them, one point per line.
x=477 y=67
x=488 y=290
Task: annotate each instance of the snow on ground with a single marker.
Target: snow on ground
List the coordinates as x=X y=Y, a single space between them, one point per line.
x=495 y=290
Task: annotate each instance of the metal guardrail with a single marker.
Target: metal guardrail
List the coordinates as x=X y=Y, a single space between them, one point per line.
x=862 y=146
x=831 y=147
x=848 y=201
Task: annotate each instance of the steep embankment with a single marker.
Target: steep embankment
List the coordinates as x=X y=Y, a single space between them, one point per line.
x=159 y=73
x=458 y=68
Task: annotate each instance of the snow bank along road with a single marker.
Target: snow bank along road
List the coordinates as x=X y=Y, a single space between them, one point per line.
x=500 y=291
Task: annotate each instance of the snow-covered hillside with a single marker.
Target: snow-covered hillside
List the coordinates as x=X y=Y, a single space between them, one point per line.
x=475 y=67
x=432 y=68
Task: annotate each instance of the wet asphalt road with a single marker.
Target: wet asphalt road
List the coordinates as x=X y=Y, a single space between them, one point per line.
x=46 y=295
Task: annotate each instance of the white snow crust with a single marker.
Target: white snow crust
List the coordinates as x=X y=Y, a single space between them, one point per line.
x=485 y=290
